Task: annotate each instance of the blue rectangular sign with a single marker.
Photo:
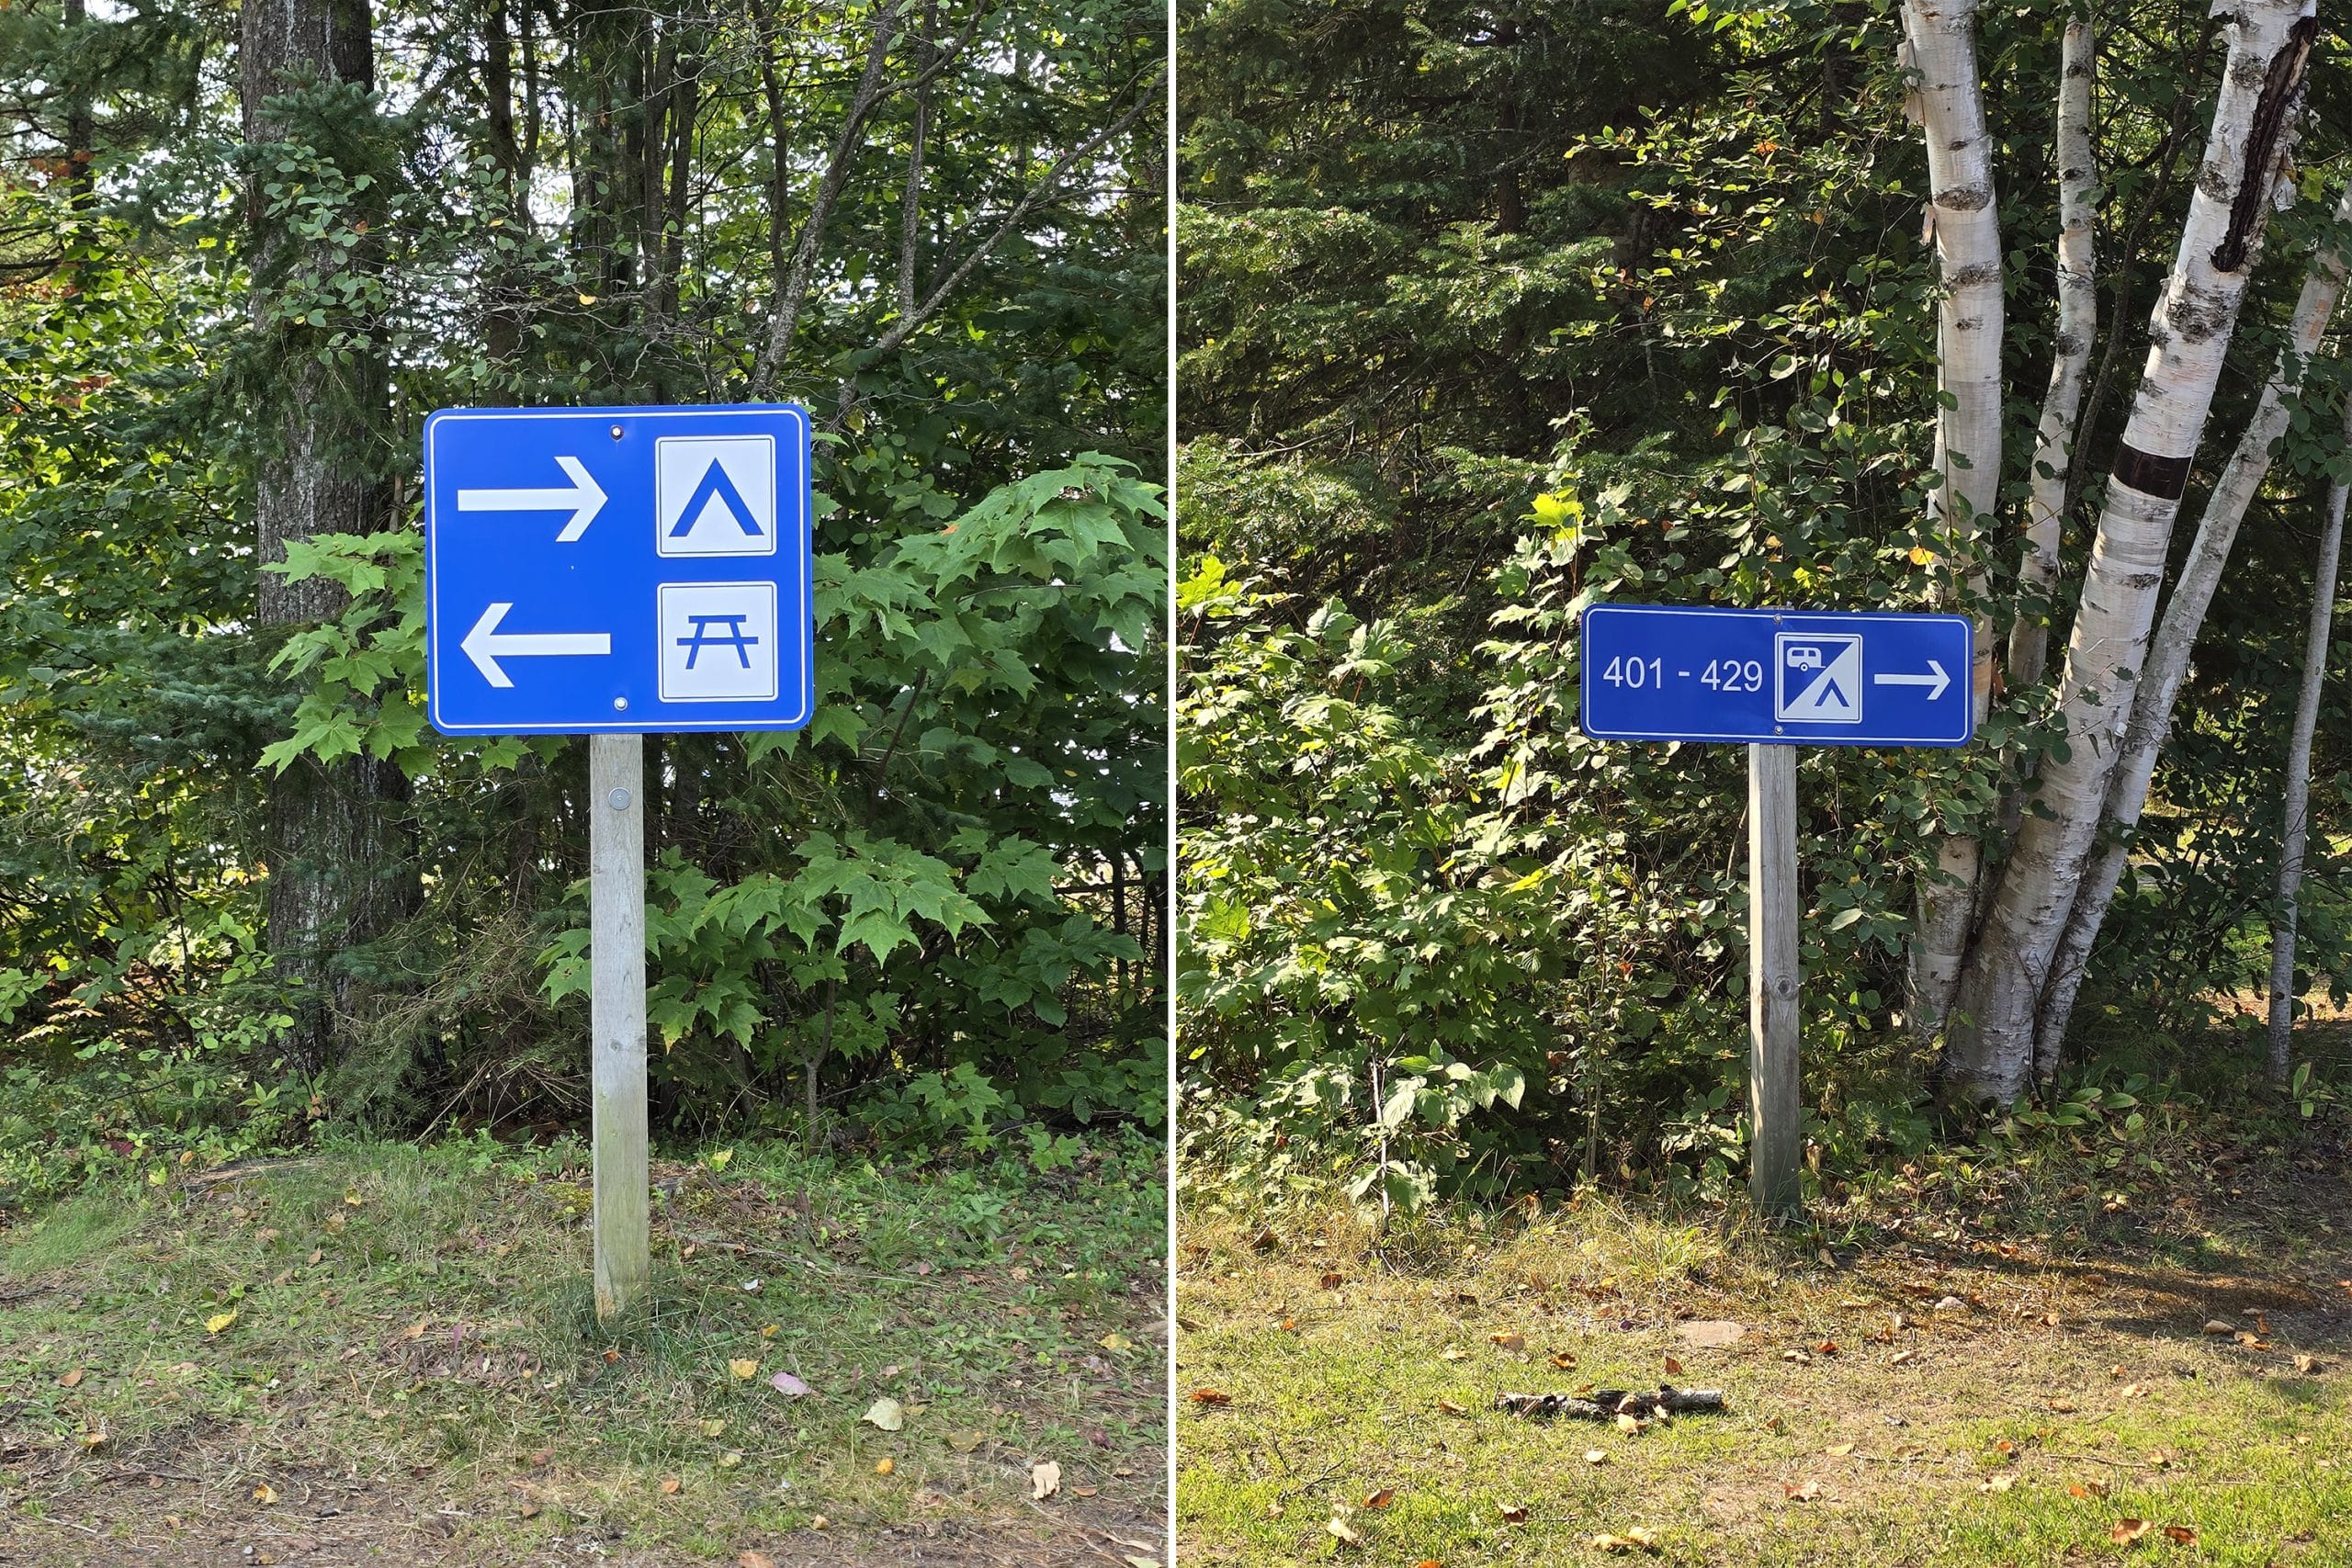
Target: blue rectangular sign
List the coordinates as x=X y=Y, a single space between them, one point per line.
x=1861 y=678
x=617 y=570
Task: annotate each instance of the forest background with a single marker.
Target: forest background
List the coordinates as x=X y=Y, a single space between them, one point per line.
x=248 y=891
x=1489 y=312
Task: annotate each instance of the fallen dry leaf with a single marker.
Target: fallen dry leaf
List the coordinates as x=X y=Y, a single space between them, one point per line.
x=885 y=1465
x=745 y=1369
x=1452 y=1409
x=2063 y=1405
x=1380 y=1499
x=71 y=1379
x=886 y=1414
x=1797 y=1357
x=2088 y=1489
x=670 y=1485
x=2126 y=1531
x=1839 y=1450
x=1673 y=1368
x=220 y=1321
x=1902 y=1356
x=2181 y=1535
x=1633 y=1540
x=787 y=1385
x=1210 y=1397
x=1997 y=1484
x=265 y=1493
x=2303 y=1364
x=1827 y=1347
x=1343 y=1532
x=754 y=1560
x=1596 y=1456
x=1513 y=1512
x=1563 y=1360
x=1803 y=1492
x=1333 y=1281
x=1510 y=1339
x=1626 y=1422
x=1045 y=1480
x=2216 y=1326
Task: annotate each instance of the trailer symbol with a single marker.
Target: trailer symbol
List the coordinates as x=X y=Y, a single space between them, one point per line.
x=1804 y=659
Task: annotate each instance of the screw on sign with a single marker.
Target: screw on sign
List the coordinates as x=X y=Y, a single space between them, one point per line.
x=1775 y=679
x=663 y=585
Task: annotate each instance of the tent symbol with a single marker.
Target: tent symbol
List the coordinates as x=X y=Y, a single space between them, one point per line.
x=715 y=489
x=715 y=495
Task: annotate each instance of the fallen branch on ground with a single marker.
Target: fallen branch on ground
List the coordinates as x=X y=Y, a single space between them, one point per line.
x=1607 y=1403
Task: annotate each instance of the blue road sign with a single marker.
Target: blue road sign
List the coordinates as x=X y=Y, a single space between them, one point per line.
x=630 y=570
x=1862 y=678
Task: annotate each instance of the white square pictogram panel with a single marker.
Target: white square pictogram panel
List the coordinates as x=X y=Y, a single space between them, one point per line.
x=1817 y=678
x=714 y=495
x=718 y=642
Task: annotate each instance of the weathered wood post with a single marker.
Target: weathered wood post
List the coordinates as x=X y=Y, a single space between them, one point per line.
x=617 y=956
x=1772 y=1093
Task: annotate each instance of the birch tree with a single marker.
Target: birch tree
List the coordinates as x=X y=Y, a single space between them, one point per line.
x=2294 y=811
x=2192 y=596
x=2053 y=444
x=1989 y=1046
x=1964 y=219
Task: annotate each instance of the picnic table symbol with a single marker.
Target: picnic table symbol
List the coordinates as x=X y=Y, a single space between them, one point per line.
x=734 y=636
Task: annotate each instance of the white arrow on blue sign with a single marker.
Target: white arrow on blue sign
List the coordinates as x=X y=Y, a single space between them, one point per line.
x=617 y=570
x=1846 y=678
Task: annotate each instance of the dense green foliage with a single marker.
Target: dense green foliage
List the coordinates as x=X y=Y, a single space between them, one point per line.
x=936 y=909
x=1489 y=313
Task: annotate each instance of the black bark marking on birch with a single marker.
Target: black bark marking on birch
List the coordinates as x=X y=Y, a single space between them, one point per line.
x=2282 y=89
x=2166 y=478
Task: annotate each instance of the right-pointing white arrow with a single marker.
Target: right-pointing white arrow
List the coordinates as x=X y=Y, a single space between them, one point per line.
x=1936 y=682
x=583 y=500
x=486 y=647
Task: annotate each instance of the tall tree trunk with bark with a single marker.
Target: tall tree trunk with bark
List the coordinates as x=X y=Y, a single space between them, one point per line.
x=339 y=875
x=2070 y=361
x=1989 y=1047
x=2175 y=640
x=1940 y=38
x=2295 y=810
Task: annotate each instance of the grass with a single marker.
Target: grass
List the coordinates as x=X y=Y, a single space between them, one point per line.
x=2069 y=1388
x=414 y=1366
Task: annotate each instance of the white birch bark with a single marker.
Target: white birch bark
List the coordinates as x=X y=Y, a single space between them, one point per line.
x=2175 y=639
x=1948 y=98
x=2296 y=807
x=2070 y=361
x=1989 y=1047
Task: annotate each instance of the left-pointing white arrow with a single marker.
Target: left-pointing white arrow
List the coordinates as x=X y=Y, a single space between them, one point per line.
x=1936 y=682
x=486 y=647
x=583 y=500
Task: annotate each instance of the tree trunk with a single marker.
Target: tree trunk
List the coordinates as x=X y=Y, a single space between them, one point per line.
x=1990 y=1045
x=337 y=874
x=2294 y=813
x=2175 y=641
x=2070 y=363
x=1949 y=101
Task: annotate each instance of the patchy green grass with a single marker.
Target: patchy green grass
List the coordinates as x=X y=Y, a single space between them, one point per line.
x=2069 y=1387
x=413 y=1371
